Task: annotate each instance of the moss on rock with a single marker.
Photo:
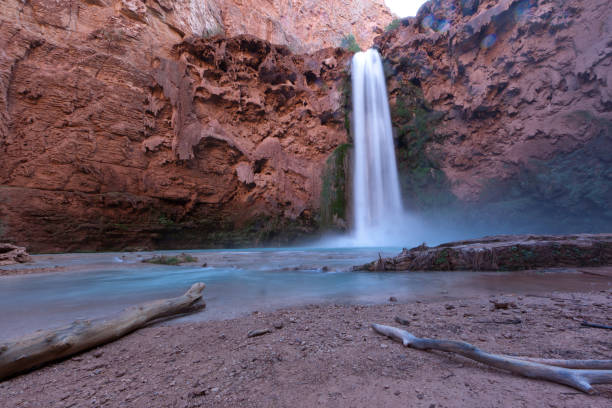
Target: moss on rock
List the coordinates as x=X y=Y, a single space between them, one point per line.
x=424 y=185
x=334 y=192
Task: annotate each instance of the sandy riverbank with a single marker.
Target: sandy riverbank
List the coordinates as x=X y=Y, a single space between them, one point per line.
x=328 y=356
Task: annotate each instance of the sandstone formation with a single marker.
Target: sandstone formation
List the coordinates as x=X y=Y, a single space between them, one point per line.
x=11 y=254
x=503 y=253
x=118 y=132
x=307 y=25
x=505 y=107
x=132 y=124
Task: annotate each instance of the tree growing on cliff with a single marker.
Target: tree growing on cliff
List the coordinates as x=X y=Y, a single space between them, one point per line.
x=393 y=25
x=349 y=43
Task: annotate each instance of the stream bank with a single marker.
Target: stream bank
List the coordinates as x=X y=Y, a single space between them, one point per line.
x=327 y=355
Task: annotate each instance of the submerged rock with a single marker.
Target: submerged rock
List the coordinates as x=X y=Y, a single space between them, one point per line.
x=503 y=253
x=174 y=260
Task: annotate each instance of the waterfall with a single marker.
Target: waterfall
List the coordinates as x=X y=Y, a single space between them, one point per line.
x=377 y=203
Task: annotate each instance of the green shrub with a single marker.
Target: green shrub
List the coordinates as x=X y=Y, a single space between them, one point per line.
x=349 y=43
x=171 y=260
x=393 y=25
x=165 y=221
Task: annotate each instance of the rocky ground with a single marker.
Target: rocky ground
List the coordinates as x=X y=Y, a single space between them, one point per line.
x=329 y=356
x=503 y=253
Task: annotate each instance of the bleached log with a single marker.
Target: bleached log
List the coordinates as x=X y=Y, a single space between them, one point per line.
x=40 y=348
x=581 y=379
x=578 y=364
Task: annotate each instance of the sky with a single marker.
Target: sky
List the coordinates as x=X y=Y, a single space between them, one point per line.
x=404 y=8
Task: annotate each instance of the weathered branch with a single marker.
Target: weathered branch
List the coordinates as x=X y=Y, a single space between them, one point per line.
x=596 y=325
x=35 y=350
x=581 y=379
x=577 y=364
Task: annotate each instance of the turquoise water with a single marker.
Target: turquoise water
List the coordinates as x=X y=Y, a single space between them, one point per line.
x=238 y=282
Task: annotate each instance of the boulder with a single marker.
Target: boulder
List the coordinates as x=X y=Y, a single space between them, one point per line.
x=12 y=254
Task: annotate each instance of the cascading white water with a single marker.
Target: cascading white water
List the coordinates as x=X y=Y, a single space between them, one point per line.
x=377 y=203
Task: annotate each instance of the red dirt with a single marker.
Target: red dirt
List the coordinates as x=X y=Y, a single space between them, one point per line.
x=328 y=356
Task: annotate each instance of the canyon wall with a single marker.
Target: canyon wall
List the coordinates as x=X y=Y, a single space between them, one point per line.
x=129 y=124
x=503 y=112
x=307 y=25
x=121 y=130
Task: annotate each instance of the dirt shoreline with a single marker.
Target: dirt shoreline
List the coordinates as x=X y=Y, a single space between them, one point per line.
x=329 y=356
x=28 y=271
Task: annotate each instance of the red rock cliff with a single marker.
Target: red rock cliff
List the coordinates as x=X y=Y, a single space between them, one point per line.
x=307 y=25
x=506 y=107
x=118 y=132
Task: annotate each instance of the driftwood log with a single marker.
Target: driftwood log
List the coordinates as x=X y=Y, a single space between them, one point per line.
x=32 y=351
x=579 y=374
x=502 y=253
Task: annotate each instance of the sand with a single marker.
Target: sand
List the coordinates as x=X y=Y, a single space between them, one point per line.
x=329 y=356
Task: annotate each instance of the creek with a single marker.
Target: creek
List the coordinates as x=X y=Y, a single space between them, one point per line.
x=239 y=282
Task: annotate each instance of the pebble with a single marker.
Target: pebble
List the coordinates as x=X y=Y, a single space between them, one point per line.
x=199 y=393
x=402 y=321
x=278 y=325
x=258 y=332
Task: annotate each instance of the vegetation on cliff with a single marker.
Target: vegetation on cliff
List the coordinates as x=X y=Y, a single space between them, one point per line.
x=335 y=191
x=349 y=43
x=424 y=185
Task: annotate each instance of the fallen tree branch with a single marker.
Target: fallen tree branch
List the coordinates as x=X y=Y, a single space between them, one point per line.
x=595 y=325
x=577 y=364
x=581 y=379
x=35 y=350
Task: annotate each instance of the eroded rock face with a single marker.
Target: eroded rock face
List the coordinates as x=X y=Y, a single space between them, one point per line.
x=117 y=132
x=307 y=25
x=506 y=106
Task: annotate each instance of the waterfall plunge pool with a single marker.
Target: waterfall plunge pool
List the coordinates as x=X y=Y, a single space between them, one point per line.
x=240 y=282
